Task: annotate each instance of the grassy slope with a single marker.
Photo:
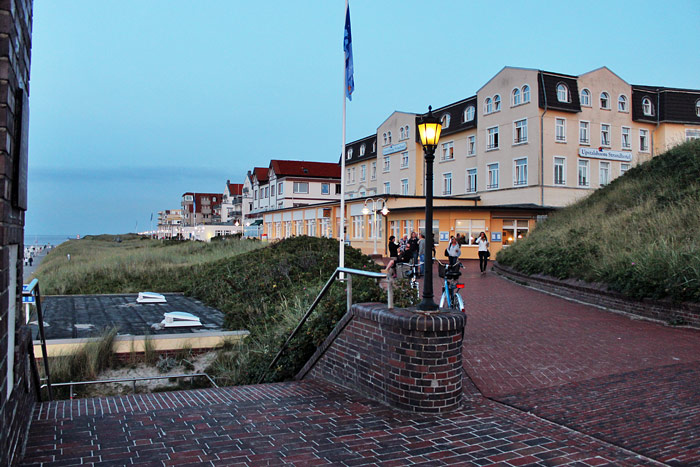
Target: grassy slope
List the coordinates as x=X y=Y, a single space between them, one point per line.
x=640 y=235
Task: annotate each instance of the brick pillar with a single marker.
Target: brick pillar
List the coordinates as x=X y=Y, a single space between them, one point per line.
x=409 y=360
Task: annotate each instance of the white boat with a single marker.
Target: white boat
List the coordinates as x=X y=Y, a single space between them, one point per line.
x=150 y=297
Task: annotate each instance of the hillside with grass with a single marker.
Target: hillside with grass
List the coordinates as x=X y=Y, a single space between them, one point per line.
x=640 y=235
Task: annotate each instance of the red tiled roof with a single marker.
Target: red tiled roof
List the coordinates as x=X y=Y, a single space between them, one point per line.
x=261 y=174
x=235 y=189
x=305 y=169
x=198 y=200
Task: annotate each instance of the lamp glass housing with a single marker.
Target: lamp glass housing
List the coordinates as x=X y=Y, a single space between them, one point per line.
x=429 y=129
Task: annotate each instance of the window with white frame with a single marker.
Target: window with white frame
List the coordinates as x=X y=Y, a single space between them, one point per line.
x=496 y=103
x=604 y=173
x=288 y=229
x=403 y=134
x=493 y=138
x=363 y=172
x=358 y=226
x=493 y=176
x=624 y=167
x=691 y=134
x=373 y=171
x=404 y=186
x=387 y=188
x=625 y=138
x=604 y=134
x=520 y=171
x=560 y=171
x=311 y=227
x=604 y=100
x=526 y=93
x=348 y=180
x=385 y=139
x=445 y=121
x=647 y=107
x=515 y=99
x=514 y=230
x=470 y=229
x=325 y=188
x=562 y=92
x=697 y=108
x=387 y=163
x=643 y=140
x=585 y=98
x=471 y=145
x=272 y=190
x=395 y=229
x=448 y=151
x=352 y=175
x=280 y=189
x=471 y=180
x=374 y=146
x=622 y=103
x=408 y=132
x=469 y=113
x=436 y=229
x=584 y=132
x=407 y=227
x=447 y=183
x=520 y=131
x=362 y=150
x=404 y=160
x=583 y=173
x=350 y=153
x=560 y=130
x=488 y=106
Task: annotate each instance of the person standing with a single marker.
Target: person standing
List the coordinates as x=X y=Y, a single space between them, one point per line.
x=413 y=247
x=484 y=253
x=421 y=254
x=453 y=251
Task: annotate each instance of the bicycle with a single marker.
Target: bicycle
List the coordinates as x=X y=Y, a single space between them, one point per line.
x=410 y=271
x=450 y=290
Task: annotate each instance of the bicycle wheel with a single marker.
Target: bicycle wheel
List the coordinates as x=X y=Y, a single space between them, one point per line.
x=443 y=299
x=459 y=303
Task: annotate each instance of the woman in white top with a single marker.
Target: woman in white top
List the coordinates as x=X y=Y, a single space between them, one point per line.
x=453 y=251
x=484 y=254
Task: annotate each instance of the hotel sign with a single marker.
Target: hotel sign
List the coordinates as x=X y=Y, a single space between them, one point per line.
x=394 y=148
x=608 y=155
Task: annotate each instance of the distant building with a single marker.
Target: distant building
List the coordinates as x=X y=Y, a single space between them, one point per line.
x=169 y=223
x=232 y=203
x=201 y=208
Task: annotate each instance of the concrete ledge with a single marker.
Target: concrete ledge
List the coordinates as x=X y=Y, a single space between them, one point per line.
x=663 y=311
x=409 y=360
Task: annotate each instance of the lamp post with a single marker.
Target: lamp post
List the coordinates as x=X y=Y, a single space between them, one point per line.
x=384 y=211
x=429 y=128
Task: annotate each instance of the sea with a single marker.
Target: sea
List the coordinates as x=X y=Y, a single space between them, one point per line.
x=54 y=240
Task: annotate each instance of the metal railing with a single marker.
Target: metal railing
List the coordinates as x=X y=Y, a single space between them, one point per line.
x=133 y=379
x=31 y=291
x=324 y=290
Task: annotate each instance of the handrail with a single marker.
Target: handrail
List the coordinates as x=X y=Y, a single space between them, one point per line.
x=32 y=290
x=350 y=272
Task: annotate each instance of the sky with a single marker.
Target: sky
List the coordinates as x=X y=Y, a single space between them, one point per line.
x=133 y=102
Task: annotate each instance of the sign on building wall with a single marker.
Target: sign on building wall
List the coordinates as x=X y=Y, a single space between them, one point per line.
x=394 y=148
x=444 y=236
x=496 y=237
x=607 y=155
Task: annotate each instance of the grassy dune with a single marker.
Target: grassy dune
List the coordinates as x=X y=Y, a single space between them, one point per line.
x=640 y=235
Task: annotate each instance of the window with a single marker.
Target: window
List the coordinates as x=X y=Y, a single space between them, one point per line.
x=389 y=135
x=493 y=138
x=404 y=186
x=520 y=131
x=526 y=94
x=325 y=188
x=395 y=229
x=471 y=145
x=469 y=113
x=387 y=163
x=385 y=140
x=493 y=176
x=624 y=168
x=387 y=188
x=358 y=226
x=647 y=107
x=604 y=100
x=582 y=173
x=350 y=153
x=488 y=106
x=362 y=150
x=691 y=134
x=436 y=229
x=514 y=230
x=255 y=194
x=604 y=134
x=643 y=140
x=445 y=121
x=559 y=171
x=272 y=190
x=516 y=97
x=404 y=160
x=311 y=227
x=280 y=189
x=560 y=130
x=520 y=172
x=626 y=143
x=448 y=151
x=337 y=188
x=447 y=183
x=562 y=92
x=496 y=103
x=697 y=107
x=585 y=98
x=470 y=229
x=604 y=173
x=408 y=132
x=302 y=187
x=584 y=134
x=363 y=172
x=374 y=146
x=403 y=134
x=188 y=197
x=352 y=174
x=373 y=171
x=622 y=103
x=471 y=180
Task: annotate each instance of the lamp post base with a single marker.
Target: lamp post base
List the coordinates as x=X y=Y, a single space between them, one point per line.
x=428 y=305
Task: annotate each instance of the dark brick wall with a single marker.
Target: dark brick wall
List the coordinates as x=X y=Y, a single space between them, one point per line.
x=15 y=47
x=409 y=360
x=665 y=311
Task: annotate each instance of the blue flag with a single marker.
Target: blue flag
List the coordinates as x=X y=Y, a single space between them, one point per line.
x=347 y=47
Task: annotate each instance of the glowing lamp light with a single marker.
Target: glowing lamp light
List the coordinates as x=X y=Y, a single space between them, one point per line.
x=510 y=239
x=429 y=129
x=365 y=210
x=385 y=210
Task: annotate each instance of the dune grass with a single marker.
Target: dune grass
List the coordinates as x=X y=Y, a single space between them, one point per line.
x=640 y=235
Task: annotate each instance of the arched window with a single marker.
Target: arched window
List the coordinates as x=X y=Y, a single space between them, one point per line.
x=586 y=98
x=445 y=121
x=469 y=113
x=622 y=103
x=385 y=138
x=496 y=103
x=350 y=153
x=526 y=94
x=408 y=131
x=374 y=146
x=403 y=133
x=562 y=92
x=604 y=100
x=488 y=106
x=697 y=107
x=647 y=107
x=362 y=150
x=389 y=133
x=516 y=97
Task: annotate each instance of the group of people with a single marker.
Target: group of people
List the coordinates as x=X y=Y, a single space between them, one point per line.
x=412 y=249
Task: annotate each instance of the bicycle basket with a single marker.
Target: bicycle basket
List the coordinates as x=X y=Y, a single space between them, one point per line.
x=403 y=271
x=441 y=270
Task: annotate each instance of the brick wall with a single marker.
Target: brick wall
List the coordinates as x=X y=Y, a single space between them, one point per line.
x=16 y=393
x=665 y=311
x=406 y=359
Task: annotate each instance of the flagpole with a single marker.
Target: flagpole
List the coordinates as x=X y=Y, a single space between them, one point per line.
x=341 y=262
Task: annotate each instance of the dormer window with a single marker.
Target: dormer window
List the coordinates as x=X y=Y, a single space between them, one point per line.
x=604 y=100
x=516 y=96
x=469 y=113
x=445 y=121
x=586 y=98
x=374 y=146
x=496 y=103
x=562 y=92
x=488 y=106
x=697 y=107
x=647 y=107
x=362 y=150
x=622 y=103
x=349 y=153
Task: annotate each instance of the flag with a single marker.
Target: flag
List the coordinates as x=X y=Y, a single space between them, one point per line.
x=347 y=47
x=151 y=216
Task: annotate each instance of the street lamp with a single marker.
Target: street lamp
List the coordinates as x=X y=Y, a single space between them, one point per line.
x=429 y=128
x=384 y=211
